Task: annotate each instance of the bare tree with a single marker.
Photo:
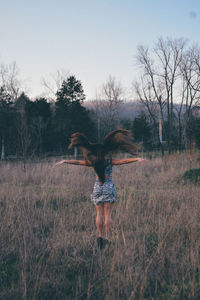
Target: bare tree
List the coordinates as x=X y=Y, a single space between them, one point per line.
x=54 y=83
x=39 y=125
x=9 y=79
x=107 y=105
x=23 y=135
x=161 y=71
x=179 y=112
x=153 y=105
x=190 y=70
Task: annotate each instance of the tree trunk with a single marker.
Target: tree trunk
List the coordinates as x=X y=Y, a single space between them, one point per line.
x=2 y=149
x=179 y=133
x=160 y=133
x=75 y=152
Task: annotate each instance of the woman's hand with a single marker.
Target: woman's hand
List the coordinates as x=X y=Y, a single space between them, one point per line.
x=60 y=163
x=142 y=160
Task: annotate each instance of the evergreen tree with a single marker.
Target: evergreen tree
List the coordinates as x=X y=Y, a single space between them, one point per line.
x=71 y=91
x=193 y=132
x=70 y=115
x=38 y=114
x=5 y=119
x=21 y=102
x=141 y=130
x=23 y=125
x=33 y=123
x=43 y=123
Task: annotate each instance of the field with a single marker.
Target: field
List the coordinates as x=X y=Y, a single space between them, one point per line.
x=48 y=237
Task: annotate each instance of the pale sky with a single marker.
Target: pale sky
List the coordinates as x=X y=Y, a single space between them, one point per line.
x=91 y=39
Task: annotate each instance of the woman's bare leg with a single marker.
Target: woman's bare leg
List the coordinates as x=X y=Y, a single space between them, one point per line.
x=107 y=214
x=99 y=219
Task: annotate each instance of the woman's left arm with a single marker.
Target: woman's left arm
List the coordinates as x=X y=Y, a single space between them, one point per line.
x=127 y=161
x=74 y=162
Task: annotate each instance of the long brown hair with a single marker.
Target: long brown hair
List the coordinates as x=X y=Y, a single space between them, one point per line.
x=99 y=161
x=96 y=153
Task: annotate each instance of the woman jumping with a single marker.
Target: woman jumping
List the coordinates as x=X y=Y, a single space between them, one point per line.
x=99 y=157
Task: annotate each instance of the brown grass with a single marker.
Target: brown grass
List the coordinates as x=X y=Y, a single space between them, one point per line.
x=48 y=235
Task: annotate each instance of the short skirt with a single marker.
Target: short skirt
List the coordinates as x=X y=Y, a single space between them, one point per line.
x=104 y=193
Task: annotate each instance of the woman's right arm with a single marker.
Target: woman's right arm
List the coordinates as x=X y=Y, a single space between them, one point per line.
x=74 y=162
x=127 y=161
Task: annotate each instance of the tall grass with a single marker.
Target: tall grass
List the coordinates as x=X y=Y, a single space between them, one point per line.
x=48 y=235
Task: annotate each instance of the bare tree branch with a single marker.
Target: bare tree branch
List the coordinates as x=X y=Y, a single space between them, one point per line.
x=55 y=82
x=9 y=78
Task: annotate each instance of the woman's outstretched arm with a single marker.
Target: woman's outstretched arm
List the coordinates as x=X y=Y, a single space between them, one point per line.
x=127 y=160
x=74 y=162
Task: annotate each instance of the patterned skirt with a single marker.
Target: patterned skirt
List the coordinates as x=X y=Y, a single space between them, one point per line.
x=104 y=193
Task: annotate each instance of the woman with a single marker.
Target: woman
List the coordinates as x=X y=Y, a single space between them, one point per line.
x=99 y=157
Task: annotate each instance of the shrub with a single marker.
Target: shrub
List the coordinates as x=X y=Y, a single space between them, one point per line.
x=192 y=175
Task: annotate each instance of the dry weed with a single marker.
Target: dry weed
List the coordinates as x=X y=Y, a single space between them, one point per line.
x=48 y=234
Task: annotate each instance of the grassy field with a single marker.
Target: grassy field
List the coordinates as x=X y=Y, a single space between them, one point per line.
x=48 y=237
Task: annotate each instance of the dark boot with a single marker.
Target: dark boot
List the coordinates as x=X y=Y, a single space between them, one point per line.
x=106 y=243
x=100 y=242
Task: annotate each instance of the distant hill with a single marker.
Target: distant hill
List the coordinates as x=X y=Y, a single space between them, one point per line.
x=127 y=110
x=131 y=109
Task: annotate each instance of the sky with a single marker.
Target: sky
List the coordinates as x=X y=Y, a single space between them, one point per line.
x=91 y=39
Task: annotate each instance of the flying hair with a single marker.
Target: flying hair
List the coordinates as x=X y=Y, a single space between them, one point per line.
x=114 y=141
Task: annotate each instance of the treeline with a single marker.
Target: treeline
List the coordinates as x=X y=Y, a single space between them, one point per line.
x=38 y=127
x=169 y=88
x=167 y=93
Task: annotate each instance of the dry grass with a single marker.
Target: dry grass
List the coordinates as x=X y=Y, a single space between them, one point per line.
x=48 y=236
